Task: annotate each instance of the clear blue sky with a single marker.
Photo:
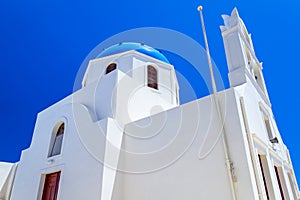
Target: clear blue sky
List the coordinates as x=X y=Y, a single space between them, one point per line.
x=43 y=43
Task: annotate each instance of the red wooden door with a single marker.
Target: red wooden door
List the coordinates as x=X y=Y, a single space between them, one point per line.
x=51 y=186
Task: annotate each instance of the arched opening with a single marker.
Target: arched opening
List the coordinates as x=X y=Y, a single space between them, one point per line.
x=258 y=78
x=111 y=67
x=57 y=142
x=152 y=77
x=247 y=54
x=246 y=34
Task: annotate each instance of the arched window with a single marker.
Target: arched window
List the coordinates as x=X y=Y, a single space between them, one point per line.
x=152 y=77
x=111 y=67
x=56 y=146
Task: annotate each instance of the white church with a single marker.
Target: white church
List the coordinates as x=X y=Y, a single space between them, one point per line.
x=125 y=136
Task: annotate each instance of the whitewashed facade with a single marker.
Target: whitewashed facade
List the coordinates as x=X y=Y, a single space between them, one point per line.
x=124 y=135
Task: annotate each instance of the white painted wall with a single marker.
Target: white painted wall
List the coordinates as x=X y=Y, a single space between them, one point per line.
x=178 y=154
x=7 y=174
x=83 y=146
x=160 y=157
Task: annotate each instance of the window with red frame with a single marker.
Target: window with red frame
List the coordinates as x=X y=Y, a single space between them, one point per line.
x=152 y=77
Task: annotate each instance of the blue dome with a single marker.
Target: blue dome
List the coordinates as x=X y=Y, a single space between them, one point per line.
x=127 y=46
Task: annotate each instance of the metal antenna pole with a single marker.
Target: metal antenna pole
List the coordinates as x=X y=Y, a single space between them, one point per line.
x=213 y=83
x=229 y=164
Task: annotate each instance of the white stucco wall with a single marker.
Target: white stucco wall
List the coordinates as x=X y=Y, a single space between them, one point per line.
x=78 y=162
x=178 y=154
x=7 y=174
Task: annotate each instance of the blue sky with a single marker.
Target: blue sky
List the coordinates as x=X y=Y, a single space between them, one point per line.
x=43 y=43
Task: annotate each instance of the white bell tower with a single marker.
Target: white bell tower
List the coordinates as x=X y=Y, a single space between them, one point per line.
x=242 y=62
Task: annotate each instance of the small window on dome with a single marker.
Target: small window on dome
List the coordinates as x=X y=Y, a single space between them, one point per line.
x=152 y=77
x=111 y=67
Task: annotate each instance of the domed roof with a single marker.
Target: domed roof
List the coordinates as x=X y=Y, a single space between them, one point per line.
x=127 y=46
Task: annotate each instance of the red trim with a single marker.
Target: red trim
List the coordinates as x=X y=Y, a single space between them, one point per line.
x=264 y=178
x=279 y=182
